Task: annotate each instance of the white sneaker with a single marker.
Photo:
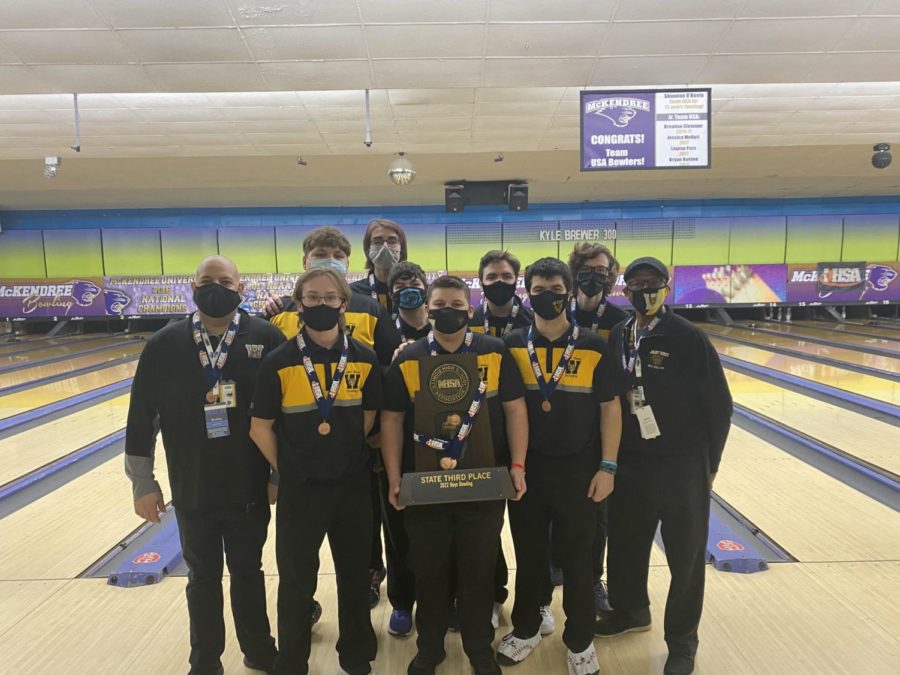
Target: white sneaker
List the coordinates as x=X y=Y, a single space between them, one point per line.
x=584 y=663
x=496 y=614
x=513 y=650
x=548 y=623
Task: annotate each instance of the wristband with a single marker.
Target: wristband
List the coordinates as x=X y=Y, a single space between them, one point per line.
x=609 y=466
x=517 y=466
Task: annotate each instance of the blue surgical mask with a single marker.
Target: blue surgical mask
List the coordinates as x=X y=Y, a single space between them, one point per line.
x=333 y=263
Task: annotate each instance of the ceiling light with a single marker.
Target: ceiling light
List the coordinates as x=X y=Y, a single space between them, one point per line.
x=401 y=170
x=51 y=166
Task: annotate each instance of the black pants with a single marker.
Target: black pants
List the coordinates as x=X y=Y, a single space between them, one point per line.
x=376 y=559
x=241 y=534
x=401 y=583
x=598 y=556
x=455 y=541
x=675 y=493
x=306 y=513
x=557 y=497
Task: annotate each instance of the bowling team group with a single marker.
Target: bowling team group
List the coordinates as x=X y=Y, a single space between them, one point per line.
x=611 y=425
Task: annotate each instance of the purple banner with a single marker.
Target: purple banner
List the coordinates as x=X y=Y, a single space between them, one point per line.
x=731 y=284
x=881 y=286
x=62 y=298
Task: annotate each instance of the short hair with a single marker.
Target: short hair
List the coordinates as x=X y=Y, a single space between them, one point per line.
x=336 y=277
x=496 y=255
x=393 y=227
x=406 y=271
x=449 y=281
x=326 y=236
x=584 y=251
x=547 y=268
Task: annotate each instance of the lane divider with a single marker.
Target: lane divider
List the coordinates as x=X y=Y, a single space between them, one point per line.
x=63 y=404
x=63 y=357
x=65 y=376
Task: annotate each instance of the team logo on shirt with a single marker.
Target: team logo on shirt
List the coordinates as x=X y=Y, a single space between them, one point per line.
x=352 y=381
x=658 y=359
x=572 y=366
x=349 y=328
x=483 y=373
x=255 y=351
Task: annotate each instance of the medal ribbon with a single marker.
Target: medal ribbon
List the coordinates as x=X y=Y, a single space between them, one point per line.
x=547 y=388
x=509 y=324
x=213 y=361
x=324 y=404
x=463 y=348
x=633 y=363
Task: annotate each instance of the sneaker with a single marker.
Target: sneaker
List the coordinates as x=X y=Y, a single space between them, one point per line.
x=424 y=665
x=601 y=599
x=486 y=667
x=316 y=613
x=401 y=623
x=556 y=575
x=496 y=614
x=616 y=623
x=361 y=669
x=513 y=650
x=375 y=587
x=548 y=622
x=255 y=665
x=679 y=663
x=584 y=663
x=452 y=619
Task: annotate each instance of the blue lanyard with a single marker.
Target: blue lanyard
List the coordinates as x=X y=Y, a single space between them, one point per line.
x=213 y=361
x=323 y=403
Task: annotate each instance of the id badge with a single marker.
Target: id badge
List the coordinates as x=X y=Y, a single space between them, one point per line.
x=228 y=394
x=216 y=420
x=647 y=422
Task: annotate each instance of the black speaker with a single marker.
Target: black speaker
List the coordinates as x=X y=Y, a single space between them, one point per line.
x=454 y=201
x=517 y=197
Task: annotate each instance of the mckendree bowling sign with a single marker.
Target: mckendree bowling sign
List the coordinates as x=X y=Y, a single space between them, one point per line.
x=658 y=129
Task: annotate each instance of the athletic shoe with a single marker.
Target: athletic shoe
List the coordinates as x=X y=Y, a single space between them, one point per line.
x=496 y=614
x=401 y=623
x=424 y=665
x=452 y=619
x=253 y=665
x=316 y=613
x=375 y=587
x=679 y=663
x=513 y=650
x=584 y=663
x=361 y=669
x=548 y=622
x=556 y=575
x=601 y=599
x=616 y=623
x=486 y=667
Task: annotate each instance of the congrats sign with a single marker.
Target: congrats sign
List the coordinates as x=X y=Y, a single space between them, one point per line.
x=659 y=129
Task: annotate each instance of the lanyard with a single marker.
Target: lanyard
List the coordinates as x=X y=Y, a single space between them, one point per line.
x=462 y=350
x=547 y=388
x=509 y=324
x=373 y=290
x=633 y=362
x=213 y=361
x=599 y=315
x=322 y=403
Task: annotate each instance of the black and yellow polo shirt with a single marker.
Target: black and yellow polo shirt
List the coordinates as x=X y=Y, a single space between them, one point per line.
x=365 y=320
x=612 y=315
x=283 y=393
x=497 y=324
x=363 y=287
x=572 y=425
x=497 y=369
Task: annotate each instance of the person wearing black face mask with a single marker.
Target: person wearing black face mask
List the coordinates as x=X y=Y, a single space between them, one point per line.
x=323 y=389
x=195 y=380
x=457 y=541
x=501 y=310
x=677 y=414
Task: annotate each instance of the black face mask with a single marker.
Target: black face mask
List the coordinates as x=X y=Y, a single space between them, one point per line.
x=591 y=282
x=549 y=305
x=215 y=300
x=499 y=292
x=448 y=320
x=320 y=317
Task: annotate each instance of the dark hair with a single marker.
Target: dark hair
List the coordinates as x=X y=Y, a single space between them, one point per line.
x=449 y=281
x=547 y=268
x=406 y=271
x=497 y=255
x=389 y=224
x=326 y=236
x=584 y=252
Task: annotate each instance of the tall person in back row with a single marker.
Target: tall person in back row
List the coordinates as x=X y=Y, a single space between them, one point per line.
x=384 y=243
x=677 y=414
x=195 y=379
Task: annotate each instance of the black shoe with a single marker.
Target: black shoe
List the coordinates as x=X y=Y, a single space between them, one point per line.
x=486 y=667
x=375 y=587
x=601 y=599
x=424 y=665
x=316 y=613
x=255 y=665
x=679 y=663
x=556 y=575
x=617 y=623
x=361 y=669
x=452 y=619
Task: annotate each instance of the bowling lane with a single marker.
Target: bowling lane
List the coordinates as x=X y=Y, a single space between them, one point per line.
x=97 y=359
x=855 y=434
x=814 y=516
x=879 y=331
x=73 y=350
x=23 y=401
x=866 y=385
x=35 y=341
x=797 y=344
x=32 y=449
x=60 y=534
x=802 y=330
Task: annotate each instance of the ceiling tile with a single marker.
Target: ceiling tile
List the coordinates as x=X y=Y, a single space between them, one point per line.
x=497 y=108
x=663 y=37
x=205 y=76
x=519 y=94
x=63 y=46
x=296 y=43
x=309 y=136
x=431 y=41
x=541 y=10
x=166 y=115
x=297 y=12
x=870 y=34
x=779 y=8
x=47 y=14
x=691 y=11
x=430 y=96
x=537 y=72
x=405 y=73
x=544 y=39
x=866 y=67
x=764 y=68
x=196 y=45
x=648 y=71
x=164 y=13
x=403 y=11
x=95 y=78
x=433 y=124
x=423 y=110
x=321 y=75
x=783 y=35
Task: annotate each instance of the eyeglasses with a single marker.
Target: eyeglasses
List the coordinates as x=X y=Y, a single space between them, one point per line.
x=390 y=241
x=599 y=270
x=647 y=284
x=330 y=299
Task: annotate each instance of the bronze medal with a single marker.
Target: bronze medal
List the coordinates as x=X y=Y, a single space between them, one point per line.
x=324 y=428
x=211 y=396
x=545 y=406
x=448 y=463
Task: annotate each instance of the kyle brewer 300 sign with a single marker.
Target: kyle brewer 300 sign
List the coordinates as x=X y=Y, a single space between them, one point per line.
x=660 y=129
